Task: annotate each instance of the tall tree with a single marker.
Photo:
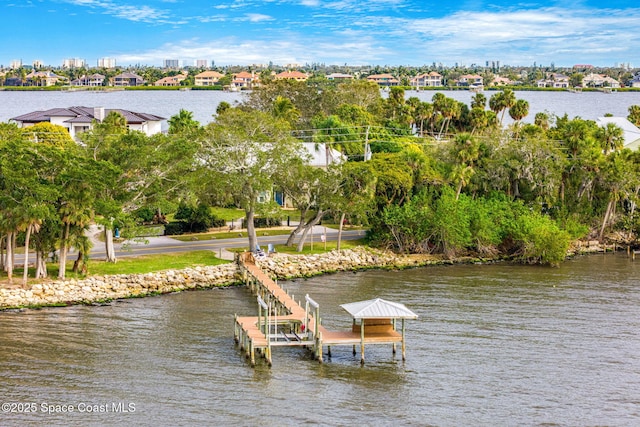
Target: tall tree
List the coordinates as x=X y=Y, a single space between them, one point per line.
x=242 y=152
x=143 y=171
x=466 y=150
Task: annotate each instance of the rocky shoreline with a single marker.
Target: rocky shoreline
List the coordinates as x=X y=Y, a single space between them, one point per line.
x=102 y=289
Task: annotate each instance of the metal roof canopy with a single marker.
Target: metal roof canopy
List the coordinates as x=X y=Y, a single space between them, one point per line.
x=378 y=309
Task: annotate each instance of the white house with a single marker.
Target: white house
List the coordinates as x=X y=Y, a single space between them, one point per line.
x=599 y=80
x=80 y=119
x=319 y=156
x=431 y=79
x=322 y=157
x=630 y=131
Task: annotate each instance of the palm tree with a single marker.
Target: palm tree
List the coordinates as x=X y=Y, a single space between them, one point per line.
x=496 y=102
x=518 y=111
x=509 y=100
x=423 y=112
x=479 y=100
x=466 y=149
x=181 y=122
x=283 y=108
x=449 y=109
x=542 y=120
x=502 y=101
x=33 y=226
x=610 y=137
x=75 y=213
x=634 y=115
x=478 y=119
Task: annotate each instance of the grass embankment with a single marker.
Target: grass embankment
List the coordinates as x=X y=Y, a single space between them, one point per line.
x=125 y=265
x=229 y=234
x=312 y=249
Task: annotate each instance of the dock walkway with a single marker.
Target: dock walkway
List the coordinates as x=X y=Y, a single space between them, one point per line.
x=282 y=321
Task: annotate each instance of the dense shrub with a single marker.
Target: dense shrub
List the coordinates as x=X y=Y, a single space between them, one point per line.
x=145 y=214
x=175 y=228
x=543 y=242
x=197 y=219
x=263 y=222
x=435 y=221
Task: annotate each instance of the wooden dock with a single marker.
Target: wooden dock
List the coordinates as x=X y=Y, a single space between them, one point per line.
x=283 y=322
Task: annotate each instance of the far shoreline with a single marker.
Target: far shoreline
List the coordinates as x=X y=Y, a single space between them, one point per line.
x=515 y=88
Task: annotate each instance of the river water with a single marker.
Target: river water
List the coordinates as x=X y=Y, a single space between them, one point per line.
x=166 y=103
x=494 y=345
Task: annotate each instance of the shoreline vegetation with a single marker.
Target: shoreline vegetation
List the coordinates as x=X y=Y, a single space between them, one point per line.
x=105 y=289
x=516 y=88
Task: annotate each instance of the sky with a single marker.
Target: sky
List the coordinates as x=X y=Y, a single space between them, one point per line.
x=331 y=32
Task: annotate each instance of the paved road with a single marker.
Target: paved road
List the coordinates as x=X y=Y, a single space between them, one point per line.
x=163 y=244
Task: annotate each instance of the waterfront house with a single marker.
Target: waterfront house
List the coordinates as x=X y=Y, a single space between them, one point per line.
x=635 y=81
x=43 y=78
x=599 y=80
x=502 y=81
x=128 y=79
x=339 y=77
x=554 y=80
x=92 y=81
x=208 y=78
x=470 y=80
x=171 y=80
x=383 y=80
x=244 y=80
x=292 y=75
x=630 y=131
x=80 y=119
x=432 y=79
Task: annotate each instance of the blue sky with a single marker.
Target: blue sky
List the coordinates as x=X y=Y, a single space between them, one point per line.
x=355 y=32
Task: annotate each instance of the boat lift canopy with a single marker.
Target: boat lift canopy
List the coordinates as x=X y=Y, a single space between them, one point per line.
x=378 y=309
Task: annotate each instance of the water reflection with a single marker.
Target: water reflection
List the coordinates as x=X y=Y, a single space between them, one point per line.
x=495 y=344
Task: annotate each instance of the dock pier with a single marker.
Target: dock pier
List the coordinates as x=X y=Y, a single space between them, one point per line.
x=283 y=322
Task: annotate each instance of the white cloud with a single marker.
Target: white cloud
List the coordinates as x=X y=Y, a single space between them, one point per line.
x=257 y=17
x=509 y=35
x=355 y=32
x=233 y=51
x=125 y=11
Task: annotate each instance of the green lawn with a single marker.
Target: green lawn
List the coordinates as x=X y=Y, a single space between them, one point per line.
x=227 y=214
x=318 y=247
x=229 y=235
x=151 y=263
x=130 y=265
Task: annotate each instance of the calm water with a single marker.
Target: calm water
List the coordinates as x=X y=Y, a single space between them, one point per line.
x=494 y=345
x=588 y=105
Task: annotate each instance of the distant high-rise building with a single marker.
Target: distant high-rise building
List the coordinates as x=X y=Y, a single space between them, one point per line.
x=201 y=63
x=73 y=63
x=107 y=63
x=15 y=64
x=38 y=64
x=171 y=63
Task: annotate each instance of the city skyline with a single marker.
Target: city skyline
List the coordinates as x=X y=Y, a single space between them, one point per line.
x=378 y=32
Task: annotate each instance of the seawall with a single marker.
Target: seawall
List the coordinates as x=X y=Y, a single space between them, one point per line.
x=95 y=289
